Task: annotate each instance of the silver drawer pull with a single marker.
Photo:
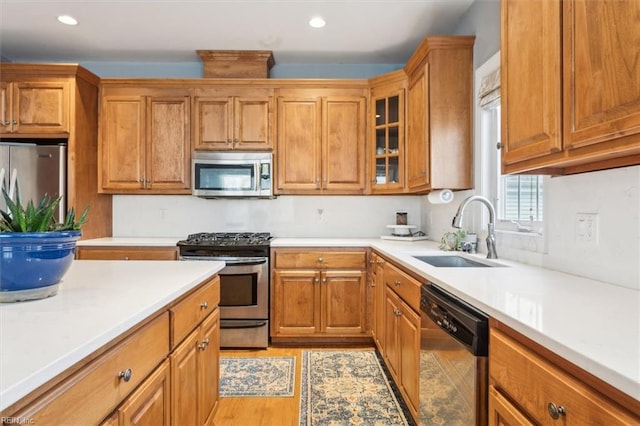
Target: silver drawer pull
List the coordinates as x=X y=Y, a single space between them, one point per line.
x=125 y=375
x=203 y=345
x=204 y=305
x=556 y=411
x=320 y=260
x=397 y=282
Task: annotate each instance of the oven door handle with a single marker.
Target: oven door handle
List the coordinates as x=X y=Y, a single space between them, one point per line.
x=242 y=324
x=243 y=260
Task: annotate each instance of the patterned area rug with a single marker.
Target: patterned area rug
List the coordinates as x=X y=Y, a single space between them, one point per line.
x=348 y=387
x=260 y=376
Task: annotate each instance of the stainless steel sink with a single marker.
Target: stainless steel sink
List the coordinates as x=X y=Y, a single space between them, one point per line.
x=451 y=261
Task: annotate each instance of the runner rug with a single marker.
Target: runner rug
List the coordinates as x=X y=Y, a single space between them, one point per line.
x=341 y=387
x=259 y=376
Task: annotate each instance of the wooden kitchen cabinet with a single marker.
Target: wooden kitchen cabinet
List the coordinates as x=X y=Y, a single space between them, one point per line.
x=570 y=103
x=378 y=304
x=387 y=118
x=195 y=374
x=126 y=253
x=321 y=141
x=224 y=123
x=402 y=333
x=439 y=144
x=145 y=144
x=34 y=105
x=530 y=384
x=319 y=294
x=150 y=404
x=60 y=101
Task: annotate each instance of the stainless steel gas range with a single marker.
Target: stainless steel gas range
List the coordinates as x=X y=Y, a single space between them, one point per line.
x=244 y=283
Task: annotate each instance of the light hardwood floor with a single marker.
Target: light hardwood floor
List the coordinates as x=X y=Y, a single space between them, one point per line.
x=264 y=411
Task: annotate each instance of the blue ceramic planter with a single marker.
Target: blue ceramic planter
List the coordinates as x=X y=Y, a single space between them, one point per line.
x=33 y=263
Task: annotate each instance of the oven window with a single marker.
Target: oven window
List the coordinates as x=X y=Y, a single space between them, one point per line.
x=225 y=177
x=239 y=290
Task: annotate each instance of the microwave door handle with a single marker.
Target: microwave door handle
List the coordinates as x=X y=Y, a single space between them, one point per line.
x=258 y=174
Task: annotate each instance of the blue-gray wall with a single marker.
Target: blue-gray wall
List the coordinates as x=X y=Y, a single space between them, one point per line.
x=482 y=19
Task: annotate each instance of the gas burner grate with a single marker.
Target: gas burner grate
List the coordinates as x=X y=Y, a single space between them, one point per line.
x=228 y=238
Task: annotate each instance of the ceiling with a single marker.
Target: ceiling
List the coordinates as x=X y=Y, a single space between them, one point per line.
x=357 y=31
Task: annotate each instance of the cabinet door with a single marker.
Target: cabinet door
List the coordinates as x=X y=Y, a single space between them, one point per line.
x=379 y=299
x=184 y=374
x=295 y=302
x=387 y=165
x=343 y=144
x=418 y=130
x=40 y=106
x=212 y=123
x=150 y=404
x=252 y=123
x=502 y=413
x=208 y=367
x=168 y=144
x=601 y=86
x=122 y=144
x=343 y=302
x=531 y=58
x=5 y=102
x=391 y=348
x=409 y=343
x=299 y=154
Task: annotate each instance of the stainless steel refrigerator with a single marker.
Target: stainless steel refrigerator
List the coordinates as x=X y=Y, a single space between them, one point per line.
x=33 y=168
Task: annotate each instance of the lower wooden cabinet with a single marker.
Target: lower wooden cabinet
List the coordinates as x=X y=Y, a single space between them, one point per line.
x=126 y=253
x=377 y=305
x=195 y=374
x=150 y=404
x=319 y=294
x=402 y=348
x=528 y=388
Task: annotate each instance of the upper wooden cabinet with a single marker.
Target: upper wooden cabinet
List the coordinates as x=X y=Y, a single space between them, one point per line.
x=60 y=101
x=34 y=105
x=321 y=141
x=570 y=86
x=387 y=146
x=232 y=122
x=144 y=141
x=439 y=148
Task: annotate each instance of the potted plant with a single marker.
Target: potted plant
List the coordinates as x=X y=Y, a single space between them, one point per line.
x=35 y=250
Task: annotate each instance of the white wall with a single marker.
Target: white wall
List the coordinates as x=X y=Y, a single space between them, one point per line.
x=285 y=216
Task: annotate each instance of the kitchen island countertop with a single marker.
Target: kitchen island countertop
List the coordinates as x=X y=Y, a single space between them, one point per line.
x=97 y=302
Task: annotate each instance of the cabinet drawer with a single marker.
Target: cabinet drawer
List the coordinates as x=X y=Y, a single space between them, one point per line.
x=92 y=393
x=127 y=253
x=534 y=383
x=407 y=287
x=320 y=259
x=193 y=309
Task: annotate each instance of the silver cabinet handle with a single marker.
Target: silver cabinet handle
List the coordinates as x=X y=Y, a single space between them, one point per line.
x=204 y=305
x=14 y=122
x=320 y=260
x=126 y=258
x=125 y=375
x=236 y=140
x=203 y=345
x=397 y=282
x=229 y=140
x=555 y=411
x=324 y=280
x=316 y=280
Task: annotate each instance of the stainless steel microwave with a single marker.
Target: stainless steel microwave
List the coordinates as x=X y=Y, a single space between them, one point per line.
x=232 y=174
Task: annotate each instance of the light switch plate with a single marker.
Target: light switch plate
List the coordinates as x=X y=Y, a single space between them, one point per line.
x=587 y=228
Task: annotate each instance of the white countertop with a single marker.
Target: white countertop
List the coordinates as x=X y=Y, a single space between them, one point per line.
x=593 y=324
x=97 y=301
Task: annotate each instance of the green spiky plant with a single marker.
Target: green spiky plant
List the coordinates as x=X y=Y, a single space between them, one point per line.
x=40 y=218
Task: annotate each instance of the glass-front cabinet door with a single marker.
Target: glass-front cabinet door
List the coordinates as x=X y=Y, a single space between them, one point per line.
x=388 y=134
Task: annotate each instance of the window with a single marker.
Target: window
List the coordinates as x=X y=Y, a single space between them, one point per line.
x=518 y=198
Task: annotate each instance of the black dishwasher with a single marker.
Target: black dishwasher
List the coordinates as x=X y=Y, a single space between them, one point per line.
x=453 y=360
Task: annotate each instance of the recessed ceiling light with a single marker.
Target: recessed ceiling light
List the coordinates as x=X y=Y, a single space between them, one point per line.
x=67 y=20
x=317 y=22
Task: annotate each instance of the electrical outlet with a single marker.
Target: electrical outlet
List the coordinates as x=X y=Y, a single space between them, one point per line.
x=587 y=228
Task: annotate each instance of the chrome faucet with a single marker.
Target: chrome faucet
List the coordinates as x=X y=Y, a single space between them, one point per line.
x=491 y=238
